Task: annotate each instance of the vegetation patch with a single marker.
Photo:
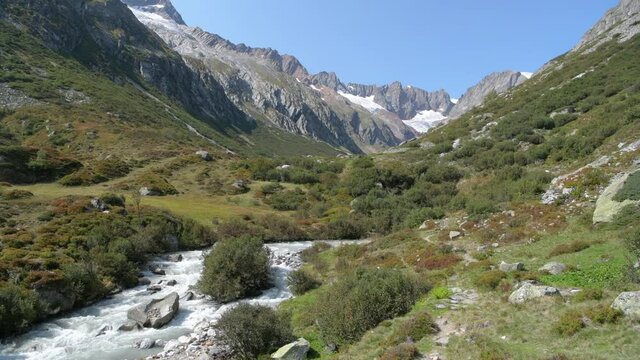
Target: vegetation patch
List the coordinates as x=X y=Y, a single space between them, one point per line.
x=236 y=268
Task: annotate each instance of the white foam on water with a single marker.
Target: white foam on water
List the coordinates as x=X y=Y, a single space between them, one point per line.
x=73 y=336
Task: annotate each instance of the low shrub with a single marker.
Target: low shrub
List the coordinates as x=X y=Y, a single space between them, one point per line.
x=574 y=247
x=16 y=194
x=251 y=331
x=359 y=302
x=404 y=351
x=310 y=253
x=603 y=314
x=414 y=329
x=441 y=292
x=489 y=280
x=113 y=199
x=279 y=229
x=236 y=268
x=19 y=308
x=569 y=324
x=288 y=200
x=438 y=262
x=300 y=281
x=589 y=294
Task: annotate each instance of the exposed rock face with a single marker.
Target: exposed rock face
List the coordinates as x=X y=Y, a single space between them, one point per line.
x=155 y=313
x=296 y=350
x=628 y=303
x=12 y=99
x=498 y=82
x=56 y=296
x=124 y=46
x=530 y=291
x=621 y=22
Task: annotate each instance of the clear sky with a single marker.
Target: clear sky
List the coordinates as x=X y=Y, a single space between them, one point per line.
x=432 y=44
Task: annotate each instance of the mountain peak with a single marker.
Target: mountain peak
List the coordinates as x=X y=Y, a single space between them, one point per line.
x=163 y=8
x=621 y=22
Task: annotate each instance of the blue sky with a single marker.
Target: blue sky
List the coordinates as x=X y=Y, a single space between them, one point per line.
x=432 y=44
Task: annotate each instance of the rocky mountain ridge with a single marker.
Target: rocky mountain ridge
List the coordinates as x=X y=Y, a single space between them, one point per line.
x=498 y=82
x=279 y=90
x=621 y=22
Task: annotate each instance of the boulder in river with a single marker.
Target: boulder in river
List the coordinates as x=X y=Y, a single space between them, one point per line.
x=172 y=282
x=296 y=350
x=156 y=313
x=144 y=281
x=628 y=303
x=145 y=344
x=157 y=270
x=129 y=326
x=174 y=257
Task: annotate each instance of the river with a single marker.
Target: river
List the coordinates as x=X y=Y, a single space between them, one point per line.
x=77 y=335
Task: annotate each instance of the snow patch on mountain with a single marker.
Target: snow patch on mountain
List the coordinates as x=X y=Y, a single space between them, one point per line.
x=148 y=18
x=528 y=75
x=426 y=120
x=455 y=101
x=366 y=102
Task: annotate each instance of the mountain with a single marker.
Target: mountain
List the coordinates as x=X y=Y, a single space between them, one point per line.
x=499 y=82
x=621 y=23
x=274 y=89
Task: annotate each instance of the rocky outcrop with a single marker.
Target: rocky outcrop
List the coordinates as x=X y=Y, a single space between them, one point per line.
x=628 y=303
x=529 y=291
x=621 y=23
x=498 y=83
x=296 y=350
x=554 y=268
x=55 y=296
x=156 y=313
x=126 y=50
x=506 y=267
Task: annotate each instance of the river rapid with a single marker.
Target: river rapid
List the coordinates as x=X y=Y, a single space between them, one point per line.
x=91 y=332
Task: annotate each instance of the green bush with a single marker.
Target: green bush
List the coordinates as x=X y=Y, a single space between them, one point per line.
x=404 y=351
x=288 y=200
x=441 y=292
x=569 y=324
x=589 y=294
x=16 y=195
x=359 y=302
x=251 y=331
x=414 y=329
x=113 y=199
x=604 y=314
x=236 y=268
x=300 y=281
x=18 y=309
x=489 y=280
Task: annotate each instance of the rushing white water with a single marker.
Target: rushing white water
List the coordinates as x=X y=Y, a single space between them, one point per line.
x=75 y=335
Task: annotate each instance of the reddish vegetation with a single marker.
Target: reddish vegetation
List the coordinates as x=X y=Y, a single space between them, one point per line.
x=437 y=262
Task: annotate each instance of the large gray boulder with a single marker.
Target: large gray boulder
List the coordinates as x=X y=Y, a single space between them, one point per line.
x=156 y=313
x=296 y=350
x=506 y=267
x=529 y=291
x=554 y=268
x=628 y=303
